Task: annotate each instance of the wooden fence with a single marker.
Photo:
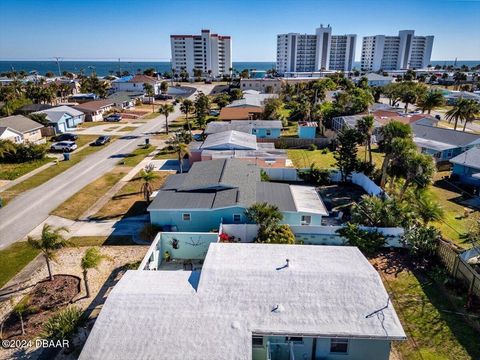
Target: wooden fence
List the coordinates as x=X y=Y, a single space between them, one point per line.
x=458 y=268
x=286 y=143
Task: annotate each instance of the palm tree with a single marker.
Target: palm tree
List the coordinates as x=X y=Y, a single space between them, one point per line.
x=49 y=242
x=431 y=100
x=181 y=149
x=147 y=177
x=186 y=107
x=91 y=260
x=457 y=112
x=471 y=111
x=150 y=92
x=166 y=109
x=265 y=215
x=425 y=207
x=365 y=127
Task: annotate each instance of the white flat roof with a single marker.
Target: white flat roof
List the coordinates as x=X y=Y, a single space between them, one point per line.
x=306 y=199
x=325 y=291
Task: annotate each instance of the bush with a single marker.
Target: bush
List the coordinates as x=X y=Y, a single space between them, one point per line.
x=63 y=324
x=314 y=175
x=422 y=241
x=312 y=147
x=19 y=153
x=281 y=234
x=369 y=242
x=366 y=168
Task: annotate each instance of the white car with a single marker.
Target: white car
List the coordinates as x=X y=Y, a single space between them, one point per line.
x=65 y=146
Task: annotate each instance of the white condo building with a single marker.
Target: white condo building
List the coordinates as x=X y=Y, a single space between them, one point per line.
x=405 y=51
x=211 y=53
x=314 y=52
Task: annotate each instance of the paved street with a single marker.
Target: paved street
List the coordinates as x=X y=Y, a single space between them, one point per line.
x=31 y=208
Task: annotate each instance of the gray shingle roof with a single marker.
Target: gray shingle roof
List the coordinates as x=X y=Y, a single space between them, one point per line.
x=56 y=113
x=469 y=158
x=210 y=184
x=276 y=194
x=20 y=123
x=442 y=135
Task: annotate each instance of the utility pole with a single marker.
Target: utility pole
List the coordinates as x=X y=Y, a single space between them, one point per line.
x=58 y=64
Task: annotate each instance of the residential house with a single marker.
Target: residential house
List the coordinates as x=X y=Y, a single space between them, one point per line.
x=95 y=110
x=83 y=97
x=239 y=145
x=270 y=129
x=134 y=83
x=219 y=191
x=466 y=167
x=125 y=100
x=443 y=144
x=251 y=301
x=307 y=129
x=375 y=79
x=453 y=96
x=240 y=113
x=10 y=134
x=63 y=118
x=30 y=130
x=252 y=100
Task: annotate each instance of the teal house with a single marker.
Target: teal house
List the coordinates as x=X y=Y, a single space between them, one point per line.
x=269 y=129
x=307 y=129
x=219 y=191
x=63 y=118
x=466 y=167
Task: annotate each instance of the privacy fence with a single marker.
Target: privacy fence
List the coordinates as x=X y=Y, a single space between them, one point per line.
x=458 y=268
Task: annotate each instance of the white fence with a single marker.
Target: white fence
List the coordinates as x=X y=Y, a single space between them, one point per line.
x=311 y=235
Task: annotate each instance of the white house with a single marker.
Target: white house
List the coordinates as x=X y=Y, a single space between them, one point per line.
x=250 y=301
x=134 y=83
x=10 y=134
x=375 y=79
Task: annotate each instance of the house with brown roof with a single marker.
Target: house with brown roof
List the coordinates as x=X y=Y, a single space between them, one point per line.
x=240 y=113
x=95 y=110
x=134 y=83
x=18 y=124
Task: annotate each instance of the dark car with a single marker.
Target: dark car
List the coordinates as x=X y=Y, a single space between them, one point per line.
x=113 y=118
x=102 y=140
x=164 y=97
x=66 y=137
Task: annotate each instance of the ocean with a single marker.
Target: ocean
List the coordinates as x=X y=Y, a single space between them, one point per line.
x=103 y=68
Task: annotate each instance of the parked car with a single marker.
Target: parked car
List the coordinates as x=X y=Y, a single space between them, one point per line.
x=164 y=97
x=65 y=146
x=102 y=140
x=66 y=137
x=214 y=112
x=113 y=118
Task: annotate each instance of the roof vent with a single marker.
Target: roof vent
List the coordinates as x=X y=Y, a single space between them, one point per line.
x=288 y=262
x=278 y=308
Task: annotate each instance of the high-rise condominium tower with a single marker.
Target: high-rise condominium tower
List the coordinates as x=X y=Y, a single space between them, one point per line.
x=314 y=52
x=210 y=53
x=405 y=51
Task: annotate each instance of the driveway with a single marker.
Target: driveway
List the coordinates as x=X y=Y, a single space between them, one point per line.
x=31 y=208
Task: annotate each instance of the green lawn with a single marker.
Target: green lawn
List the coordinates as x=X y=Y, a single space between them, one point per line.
x=49 y=173
x=13 y=259
x=324 y=158
x=14 y=171
x=77 y=204
x=136 y=156
x=128 y=128
x=433 y=329
x=97 y=123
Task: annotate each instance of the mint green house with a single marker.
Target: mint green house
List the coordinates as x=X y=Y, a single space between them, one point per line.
x=219 y=191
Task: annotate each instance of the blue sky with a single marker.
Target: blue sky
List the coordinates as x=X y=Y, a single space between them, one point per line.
x=105 y=29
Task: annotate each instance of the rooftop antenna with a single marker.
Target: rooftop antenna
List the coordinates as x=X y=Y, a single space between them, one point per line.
x=58 y=64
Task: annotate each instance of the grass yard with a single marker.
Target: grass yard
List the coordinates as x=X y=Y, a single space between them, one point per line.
x=86 y=125
x=324 y=158
x=47 y=174
x=13 y=259
x=77 y=204
x=129 y=201
x=128 y=128
x=14 y=171
x=151 y=116
x=136 y=156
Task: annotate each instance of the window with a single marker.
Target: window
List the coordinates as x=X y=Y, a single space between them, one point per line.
x=237 y=218
x=269 y=132
x=339 y=346
x=295 y=339
x=257 y=341
x=186 y=217
x=306 y=220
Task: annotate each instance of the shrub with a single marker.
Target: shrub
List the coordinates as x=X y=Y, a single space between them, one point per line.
x=19 y=153
x=281 y=234
x=366 y=168
x=264 y=176
x=312 y=147
x=422 y=241
x=314 y=175
x=369 y=242
x=63 y=324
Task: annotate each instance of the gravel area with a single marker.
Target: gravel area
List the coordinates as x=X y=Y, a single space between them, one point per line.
x=101 y=281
